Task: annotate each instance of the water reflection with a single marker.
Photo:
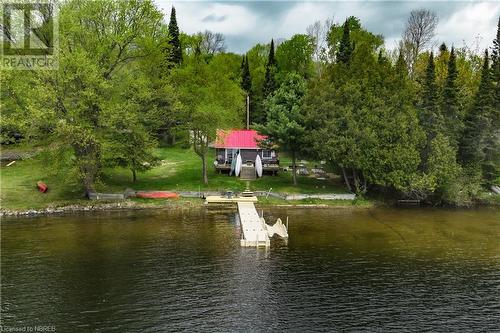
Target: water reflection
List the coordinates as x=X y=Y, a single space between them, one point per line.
x=373 y=270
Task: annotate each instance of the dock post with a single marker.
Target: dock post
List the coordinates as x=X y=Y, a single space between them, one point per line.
x=287 y=223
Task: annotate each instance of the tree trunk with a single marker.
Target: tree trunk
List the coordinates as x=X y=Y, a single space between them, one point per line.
x=294 y=168
x=204 y=162
x=88 y=164
x=174 y=141
x=134 y=175
x=346 y=180
x=356 y=181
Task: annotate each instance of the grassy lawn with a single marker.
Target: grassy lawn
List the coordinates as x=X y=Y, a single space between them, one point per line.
x=361 y=203
x=18 y=185
x=179 y=169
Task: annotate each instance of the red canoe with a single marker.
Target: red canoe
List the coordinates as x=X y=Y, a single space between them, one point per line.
x=42 y=187
x=157 y=195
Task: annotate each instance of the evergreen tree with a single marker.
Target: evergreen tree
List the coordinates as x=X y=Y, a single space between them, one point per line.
x=270 y=80
x=345 y=48
x=285 y=124
x=443 y=48
x=246 y=80
x=430 y=116
x=175 y=43
x=271 y=60
x=477 y=123
x=495 y=55
x=495 y=151
x=401 y=67
x=381 y=58
x=450 y=101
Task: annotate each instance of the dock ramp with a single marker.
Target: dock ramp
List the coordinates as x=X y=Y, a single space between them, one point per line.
x=254 y=232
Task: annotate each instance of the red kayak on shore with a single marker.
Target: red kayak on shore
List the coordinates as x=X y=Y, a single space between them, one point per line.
x=42 y=187
x=157 y=195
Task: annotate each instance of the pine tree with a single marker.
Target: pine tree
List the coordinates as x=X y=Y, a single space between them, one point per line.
x=246 y=80
x=381 y=59
x=430 y=116
x=345 y=48
x=270 y=80
x=443 y=48
x=175 y=43
x=491 y=166
x=495 y=56
x=450 y=101
x=401 y=67
x=477 y=124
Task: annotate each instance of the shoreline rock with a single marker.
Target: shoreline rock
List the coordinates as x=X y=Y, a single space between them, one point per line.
x=123 y=205
x=132 y=205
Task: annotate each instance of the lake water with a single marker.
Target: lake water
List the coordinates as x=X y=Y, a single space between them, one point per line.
x=380 y=269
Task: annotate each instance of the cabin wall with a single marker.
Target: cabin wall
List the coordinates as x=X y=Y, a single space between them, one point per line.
x=246 y=155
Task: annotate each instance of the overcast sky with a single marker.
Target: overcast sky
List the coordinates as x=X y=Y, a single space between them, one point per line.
x=245 y=23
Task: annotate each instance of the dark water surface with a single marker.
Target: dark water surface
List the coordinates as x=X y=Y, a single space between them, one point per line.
x=342 y=270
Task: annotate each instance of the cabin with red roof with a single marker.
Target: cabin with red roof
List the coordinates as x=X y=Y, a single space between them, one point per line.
x=249 y=143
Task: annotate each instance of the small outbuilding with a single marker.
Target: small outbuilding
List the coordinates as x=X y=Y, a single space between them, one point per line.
x=249 y=144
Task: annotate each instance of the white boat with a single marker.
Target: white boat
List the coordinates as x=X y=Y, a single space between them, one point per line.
x=237 y=168
x=258 y=166
x=233 y=166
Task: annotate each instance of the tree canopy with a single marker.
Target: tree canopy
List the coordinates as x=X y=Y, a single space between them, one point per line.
x=419 y=122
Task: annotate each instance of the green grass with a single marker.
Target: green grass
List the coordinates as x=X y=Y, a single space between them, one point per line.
x=18 y=185
x=179 y=169
x=361 y=203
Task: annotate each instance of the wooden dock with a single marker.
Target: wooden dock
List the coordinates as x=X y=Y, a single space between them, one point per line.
x=211 y=199
x=253 y=228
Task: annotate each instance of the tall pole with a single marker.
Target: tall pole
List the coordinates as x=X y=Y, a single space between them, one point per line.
x=248 y=111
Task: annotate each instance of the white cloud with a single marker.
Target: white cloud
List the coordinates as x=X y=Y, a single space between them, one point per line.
x=232 y=19
x=246 y=23
x=475 y=24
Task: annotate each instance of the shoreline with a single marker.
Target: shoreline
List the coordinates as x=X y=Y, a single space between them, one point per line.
x=176 y=204
x=82 y=206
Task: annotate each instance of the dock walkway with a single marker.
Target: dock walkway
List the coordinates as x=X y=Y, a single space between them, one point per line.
x=253 y=228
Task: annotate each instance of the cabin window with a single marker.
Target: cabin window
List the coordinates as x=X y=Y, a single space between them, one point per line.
x=266 y=154
x=230 y=153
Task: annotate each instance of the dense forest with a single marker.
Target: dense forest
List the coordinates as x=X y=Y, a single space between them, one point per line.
x=419 y=122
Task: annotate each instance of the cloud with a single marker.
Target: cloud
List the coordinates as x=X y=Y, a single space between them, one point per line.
x=474 y=25
x=213 y=18
x=226 y=18
x=245 y=23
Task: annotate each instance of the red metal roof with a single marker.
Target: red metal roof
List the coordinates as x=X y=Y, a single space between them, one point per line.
x=248 y=139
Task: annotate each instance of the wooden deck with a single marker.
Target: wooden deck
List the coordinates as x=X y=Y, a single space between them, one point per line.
x=267 y=169
x=224 y=199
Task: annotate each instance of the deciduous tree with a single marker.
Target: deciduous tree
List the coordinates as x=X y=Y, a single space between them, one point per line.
x=418 y=35
x=210 y=100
